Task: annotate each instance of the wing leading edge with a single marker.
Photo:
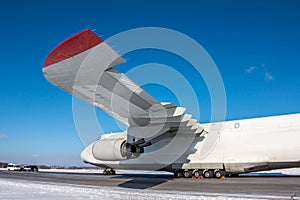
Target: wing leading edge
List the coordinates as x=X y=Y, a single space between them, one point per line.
x=83 y=66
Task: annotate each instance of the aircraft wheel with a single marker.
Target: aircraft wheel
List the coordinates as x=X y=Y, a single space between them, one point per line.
x=197 y=173
x=207 y=174
x=113 y=172
x=218 y=174
x=187 y=174
x=178 y=174
x=109 y=171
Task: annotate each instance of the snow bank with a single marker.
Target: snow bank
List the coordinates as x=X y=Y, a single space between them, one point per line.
x=18 y=189
x=277 y=172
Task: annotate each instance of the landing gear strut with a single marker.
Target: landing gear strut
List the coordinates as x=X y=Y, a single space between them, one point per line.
x=109 y=171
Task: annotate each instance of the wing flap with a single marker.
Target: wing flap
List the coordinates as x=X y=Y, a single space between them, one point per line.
x=83 y=66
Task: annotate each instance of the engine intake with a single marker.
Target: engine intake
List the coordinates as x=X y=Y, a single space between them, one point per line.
x=115 y=150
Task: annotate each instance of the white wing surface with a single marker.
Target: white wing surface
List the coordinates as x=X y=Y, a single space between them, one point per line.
x=83 y=66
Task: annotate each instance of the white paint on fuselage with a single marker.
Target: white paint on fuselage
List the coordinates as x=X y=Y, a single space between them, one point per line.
x=242 y=144
x=258 y=140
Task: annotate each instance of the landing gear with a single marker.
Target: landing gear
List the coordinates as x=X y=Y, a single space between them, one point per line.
x=207 y=174
x=199 y=173
x=217 y=174
x=109 y=171
x=183 y=173
x=178 y=174
x=187 y=174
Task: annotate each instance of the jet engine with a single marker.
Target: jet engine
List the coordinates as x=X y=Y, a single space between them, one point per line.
x=114 y=150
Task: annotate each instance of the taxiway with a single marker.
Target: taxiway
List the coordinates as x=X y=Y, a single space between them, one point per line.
x=271 y=185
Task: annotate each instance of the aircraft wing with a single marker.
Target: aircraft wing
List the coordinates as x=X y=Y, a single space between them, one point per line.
x=83 y=66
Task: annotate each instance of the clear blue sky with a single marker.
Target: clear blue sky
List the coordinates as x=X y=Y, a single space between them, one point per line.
x=255 y=44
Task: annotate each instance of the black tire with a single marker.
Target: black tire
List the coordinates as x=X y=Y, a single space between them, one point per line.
x=207 y=174
x=197 y=173
x=178 y=174
x=187 y=174
x=105 y=172
x=109 y=171
x=218 y=174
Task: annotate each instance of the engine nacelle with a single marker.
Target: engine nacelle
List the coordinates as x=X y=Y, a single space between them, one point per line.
x=112 y=150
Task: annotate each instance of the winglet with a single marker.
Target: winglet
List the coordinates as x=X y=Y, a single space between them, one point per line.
x=73 y=46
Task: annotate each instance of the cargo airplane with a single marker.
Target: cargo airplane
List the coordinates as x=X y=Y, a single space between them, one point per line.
x=161 y=136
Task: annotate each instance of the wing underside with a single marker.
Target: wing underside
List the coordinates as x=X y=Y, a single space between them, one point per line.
x=83 y=66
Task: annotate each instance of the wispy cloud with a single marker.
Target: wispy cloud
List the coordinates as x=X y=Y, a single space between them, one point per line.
x=262 y=70
x=3 y=136
x=251 y=69
x=268 y=76
x=35 y=156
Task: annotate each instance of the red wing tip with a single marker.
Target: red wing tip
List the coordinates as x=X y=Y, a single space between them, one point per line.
x=73 y=46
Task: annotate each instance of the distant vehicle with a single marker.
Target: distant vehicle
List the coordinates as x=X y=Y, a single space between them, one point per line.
x=14 y=167
x=31 y=168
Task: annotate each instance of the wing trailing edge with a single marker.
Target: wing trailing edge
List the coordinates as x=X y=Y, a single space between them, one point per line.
x=83 y=66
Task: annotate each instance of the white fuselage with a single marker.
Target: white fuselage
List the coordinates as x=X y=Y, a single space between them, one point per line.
x=242 y=146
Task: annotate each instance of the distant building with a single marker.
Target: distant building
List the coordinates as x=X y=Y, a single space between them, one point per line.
x=3 y=165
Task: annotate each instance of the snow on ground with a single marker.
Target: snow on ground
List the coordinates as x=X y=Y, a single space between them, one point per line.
x=277 y=172
x=20 y=190
x=290 y=171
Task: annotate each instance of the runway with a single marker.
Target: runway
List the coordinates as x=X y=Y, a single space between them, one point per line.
x=285 y=186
